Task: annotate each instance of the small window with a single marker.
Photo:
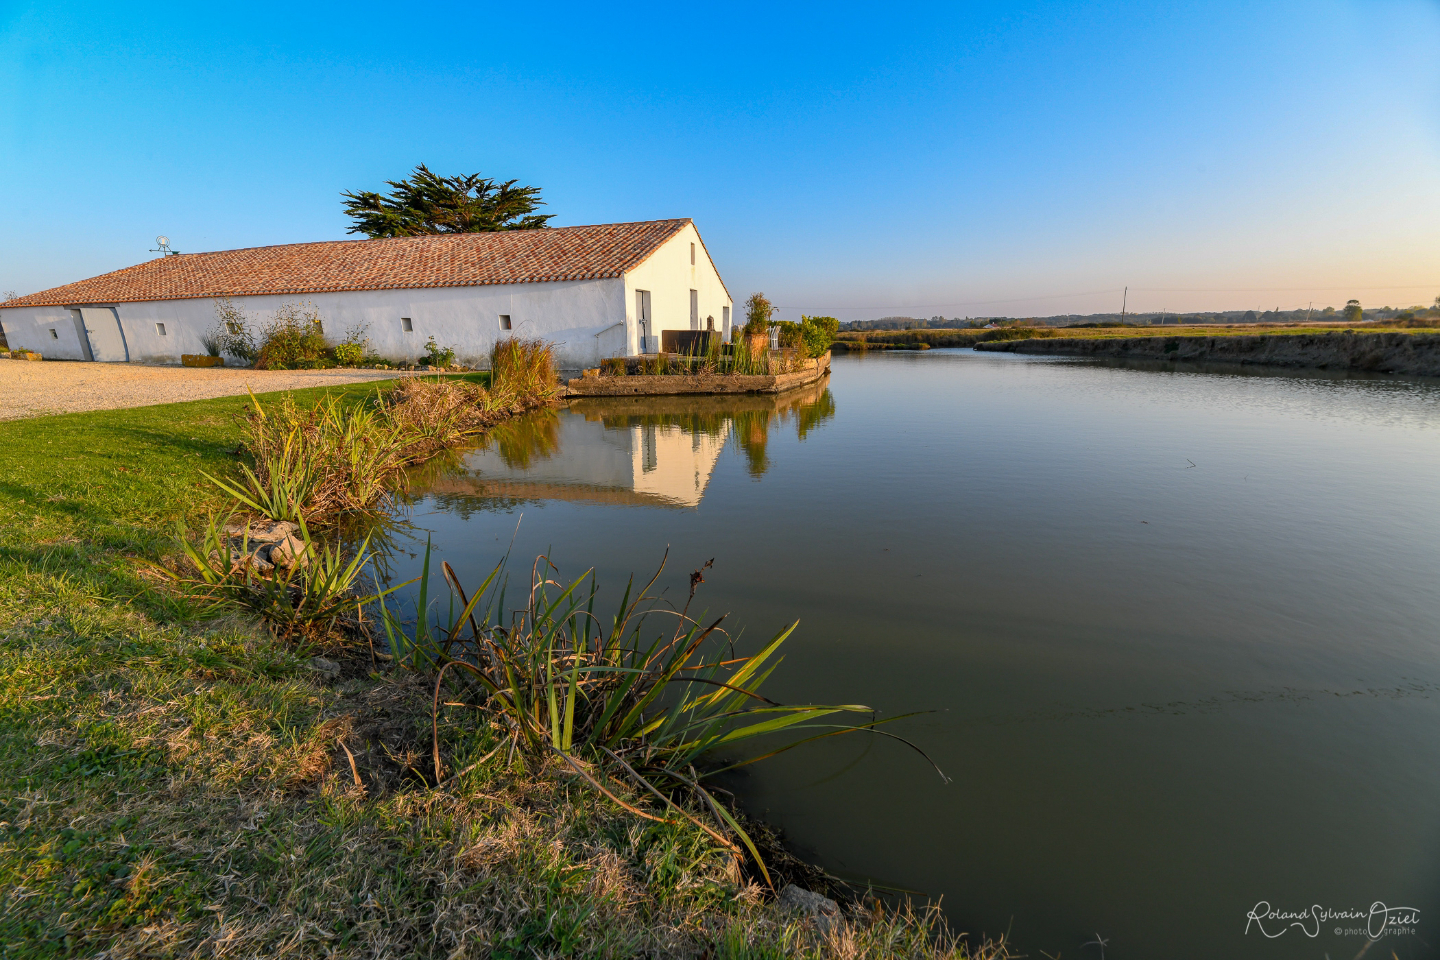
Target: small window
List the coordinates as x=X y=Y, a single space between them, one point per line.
x=53 y=334
x=160 y=329
x=692 y=254
x=406 y=325
x=504 y=321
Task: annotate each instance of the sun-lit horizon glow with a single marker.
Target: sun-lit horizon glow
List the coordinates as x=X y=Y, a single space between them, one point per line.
x=990 y=159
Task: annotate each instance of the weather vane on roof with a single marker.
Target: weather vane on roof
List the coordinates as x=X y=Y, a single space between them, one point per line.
x=164 y=247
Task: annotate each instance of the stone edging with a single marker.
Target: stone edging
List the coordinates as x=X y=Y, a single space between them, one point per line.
x=713 y=383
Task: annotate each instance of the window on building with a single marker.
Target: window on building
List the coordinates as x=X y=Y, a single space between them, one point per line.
x=406 y=325
x=160 y=329
x=53 y=334
x=692 y=254
x=694 y=309
x=505 y=321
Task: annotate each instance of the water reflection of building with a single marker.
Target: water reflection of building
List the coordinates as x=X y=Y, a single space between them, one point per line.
x=644 y=451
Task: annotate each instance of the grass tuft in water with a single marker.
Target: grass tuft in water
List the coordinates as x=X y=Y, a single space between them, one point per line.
x=615 y=700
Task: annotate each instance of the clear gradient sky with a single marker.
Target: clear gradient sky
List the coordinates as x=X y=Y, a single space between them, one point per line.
x=958 y=159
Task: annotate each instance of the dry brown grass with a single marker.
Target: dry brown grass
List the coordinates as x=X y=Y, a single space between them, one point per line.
x=523 y=367
x=439 y=414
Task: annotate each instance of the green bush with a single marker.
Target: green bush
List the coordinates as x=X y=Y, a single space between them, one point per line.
x=349 y=354
x=438 y=356
x=790 y=335
x=811 y=337
x=352 y=350
x=293 y=340
x=817 y=333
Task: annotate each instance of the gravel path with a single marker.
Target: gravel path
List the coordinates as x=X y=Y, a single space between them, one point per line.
x=34 y=389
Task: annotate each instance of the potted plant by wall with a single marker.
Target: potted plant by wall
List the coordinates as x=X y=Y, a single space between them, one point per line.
x=211 y=357
x=758 y=311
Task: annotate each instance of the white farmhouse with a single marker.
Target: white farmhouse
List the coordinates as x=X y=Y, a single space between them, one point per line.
x=594 y=292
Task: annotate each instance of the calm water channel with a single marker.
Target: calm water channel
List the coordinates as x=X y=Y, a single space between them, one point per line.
x=1180 y=627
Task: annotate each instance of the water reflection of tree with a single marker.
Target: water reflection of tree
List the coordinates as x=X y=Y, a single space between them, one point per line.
x=752 y=427
x=526 y=440
x=811 y=415
x=749 y=417
x=752 y=433
x=709 y=424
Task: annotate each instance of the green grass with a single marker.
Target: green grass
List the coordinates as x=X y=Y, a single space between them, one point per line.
x=172 y=786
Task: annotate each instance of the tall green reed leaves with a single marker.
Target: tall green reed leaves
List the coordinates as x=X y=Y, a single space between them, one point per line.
x=623 y=697
x=304 y=600
x=312 y=461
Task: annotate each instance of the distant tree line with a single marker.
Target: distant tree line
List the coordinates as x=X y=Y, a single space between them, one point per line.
x=1352 y=312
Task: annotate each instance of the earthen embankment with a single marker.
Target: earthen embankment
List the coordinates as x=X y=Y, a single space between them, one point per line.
x=1403 y=353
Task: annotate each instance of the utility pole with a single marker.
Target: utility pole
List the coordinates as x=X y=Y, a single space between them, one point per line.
x=1124 y=303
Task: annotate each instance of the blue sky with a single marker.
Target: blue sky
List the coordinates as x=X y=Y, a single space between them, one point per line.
x=860 y=161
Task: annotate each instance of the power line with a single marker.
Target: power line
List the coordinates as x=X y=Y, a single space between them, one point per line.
x=1097 y=293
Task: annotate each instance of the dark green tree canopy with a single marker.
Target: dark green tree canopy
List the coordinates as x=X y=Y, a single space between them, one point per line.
x=428 y=204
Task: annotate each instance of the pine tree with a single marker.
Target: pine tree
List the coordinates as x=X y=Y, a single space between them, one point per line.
x=430 y=204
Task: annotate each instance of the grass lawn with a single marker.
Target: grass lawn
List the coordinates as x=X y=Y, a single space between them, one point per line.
x=172 y=786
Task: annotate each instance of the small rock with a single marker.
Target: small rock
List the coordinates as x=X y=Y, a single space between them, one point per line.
x=799 y=900
x=255 y=562
x=327 y=668
x=263 y=531
x=290 y=552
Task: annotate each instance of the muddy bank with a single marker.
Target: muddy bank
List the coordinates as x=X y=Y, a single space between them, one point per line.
x=1403 y=353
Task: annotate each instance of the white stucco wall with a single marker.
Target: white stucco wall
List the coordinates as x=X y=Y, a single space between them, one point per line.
x=585 y=319
x=568 y=313
x=29 y=328
x=669 y=276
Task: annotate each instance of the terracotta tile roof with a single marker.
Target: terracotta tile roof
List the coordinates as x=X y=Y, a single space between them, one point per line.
x=450 y=260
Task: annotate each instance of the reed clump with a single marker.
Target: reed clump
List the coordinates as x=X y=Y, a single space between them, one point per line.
x=523 y=367
x=623 y=705
x=316 y=461
x=306 y=599
x=336 y=456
